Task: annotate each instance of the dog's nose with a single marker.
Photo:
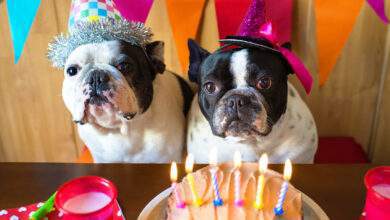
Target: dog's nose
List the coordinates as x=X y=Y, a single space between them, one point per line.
x=98 y=80
x=237 y=102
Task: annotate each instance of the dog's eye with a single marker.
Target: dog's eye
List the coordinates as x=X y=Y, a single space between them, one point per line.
x=123 y=66
x=264 y=83
x=72 y=70
x=210 y=87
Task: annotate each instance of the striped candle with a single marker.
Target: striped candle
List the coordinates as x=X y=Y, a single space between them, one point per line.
x=237 y=180
x=278 y=210
x=213 y=171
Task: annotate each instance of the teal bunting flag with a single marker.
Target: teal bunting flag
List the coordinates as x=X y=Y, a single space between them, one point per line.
x=21 y=14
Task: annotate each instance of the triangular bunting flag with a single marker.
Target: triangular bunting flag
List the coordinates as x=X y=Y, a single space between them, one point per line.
x=231 y=12
x=379 y=8
x=334 y=22
x=134 y=10
x=229 y=15
x=184 y=17
x=21 y=14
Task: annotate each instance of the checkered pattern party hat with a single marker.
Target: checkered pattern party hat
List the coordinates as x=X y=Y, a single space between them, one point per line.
x=92 y=11
x=95 y=21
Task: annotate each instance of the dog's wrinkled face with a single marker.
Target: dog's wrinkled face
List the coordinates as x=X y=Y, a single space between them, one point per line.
x=242 y=92
x=109 y=83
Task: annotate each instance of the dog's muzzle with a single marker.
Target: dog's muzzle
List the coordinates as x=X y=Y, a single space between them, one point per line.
x=98 y=82
x=240 y=112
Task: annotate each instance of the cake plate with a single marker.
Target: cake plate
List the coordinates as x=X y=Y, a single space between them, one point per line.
x=155 y=209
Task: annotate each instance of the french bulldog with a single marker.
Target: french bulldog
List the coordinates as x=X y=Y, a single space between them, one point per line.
x=245 y=103
x=127 y=106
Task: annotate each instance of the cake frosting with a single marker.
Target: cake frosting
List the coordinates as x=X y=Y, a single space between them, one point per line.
x=292 y=205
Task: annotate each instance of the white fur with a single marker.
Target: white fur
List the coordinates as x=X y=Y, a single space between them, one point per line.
x=294 y=136
x=239 y=61
x=154 y=136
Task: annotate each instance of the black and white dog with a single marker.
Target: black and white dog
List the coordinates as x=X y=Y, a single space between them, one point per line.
x=128 y=108
x=245 y=103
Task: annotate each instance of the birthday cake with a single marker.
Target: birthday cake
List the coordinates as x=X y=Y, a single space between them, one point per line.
x=228 y=208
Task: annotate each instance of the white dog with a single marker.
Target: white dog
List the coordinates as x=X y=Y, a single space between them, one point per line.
x=128 y=108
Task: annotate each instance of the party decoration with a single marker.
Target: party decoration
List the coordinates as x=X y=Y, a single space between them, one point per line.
x=184 y=17
x=213 y=171
x=379 y=7
x=335 y=21
x=45 y=209
x=134 y=10
x=283 y=189
x=263 y=164
x=180 y=203
x=230 y=13
x=197 y=201
x=254 y=32
x=94 y=22
x=21 y=14
x=237 y=179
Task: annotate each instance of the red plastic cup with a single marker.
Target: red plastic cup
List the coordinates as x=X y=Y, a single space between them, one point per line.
x=377 y=205
x=84 y=187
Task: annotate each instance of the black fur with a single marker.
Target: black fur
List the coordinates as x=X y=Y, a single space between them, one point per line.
x=197 y=55
x=142 y=69
x=215 y=68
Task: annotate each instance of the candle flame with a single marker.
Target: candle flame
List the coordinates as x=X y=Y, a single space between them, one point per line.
x=263 y=163
x=237 y=159
x=213 y=157
x=173 y=172
x=189 y=163
x=287 y=170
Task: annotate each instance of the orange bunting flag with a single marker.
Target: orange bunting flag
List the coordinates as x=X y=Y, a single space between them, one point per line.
x=184 y=17
x=335 y=20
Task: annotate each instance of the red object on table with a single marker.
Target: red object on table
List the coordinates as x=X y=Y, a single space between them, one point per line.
x=24 y=213
x=377 y=205
x=80 y=186
x=70 y=189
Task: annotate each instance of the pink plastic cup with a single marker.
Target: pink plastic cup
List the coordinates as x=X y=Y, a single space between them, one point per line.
x=69 y=194
x=377 y=181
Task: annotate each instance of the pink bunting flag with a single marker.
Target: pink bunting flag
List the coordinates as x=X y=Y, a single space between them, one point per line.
x=134 y=10
x=379 y=8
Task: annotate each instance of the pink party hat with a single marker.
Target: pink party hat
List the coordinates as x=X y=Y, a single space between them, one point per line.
x=254 y=18
x=256 y=31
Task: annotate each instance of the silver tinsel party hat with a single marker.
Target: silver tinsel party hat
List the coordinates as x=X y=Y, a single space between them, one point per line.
x=95 y=21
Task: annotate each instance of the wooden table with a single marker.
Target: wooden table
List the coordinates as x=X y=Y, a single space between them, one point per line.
x=338 y=189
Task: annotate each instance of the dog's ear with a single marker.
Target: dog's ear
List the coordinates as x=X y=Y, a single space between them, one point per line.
x=287 y=45
x=197 y=55
x=155 y=51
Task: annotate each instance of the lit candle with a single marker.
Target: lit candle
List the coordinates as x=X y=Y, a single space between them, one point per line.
x=283 y=190
x=189 y=166
x=237 y=179
x=213 y=170
x=263 y=163
x=179 y=201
